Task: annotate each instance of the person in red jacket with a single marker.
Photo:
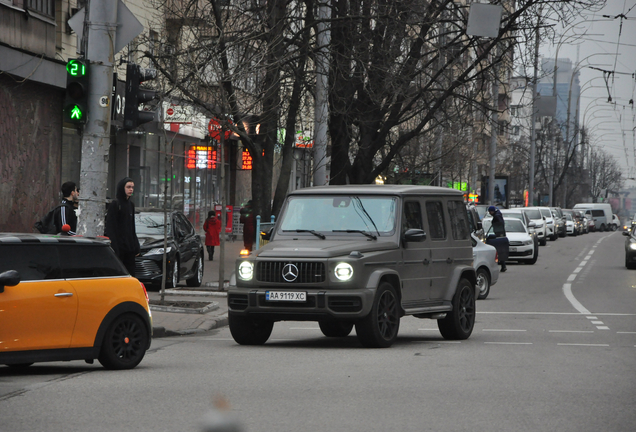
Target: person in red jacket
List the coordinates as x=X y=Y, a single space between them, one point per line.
x=249 y=225
x=212 y=228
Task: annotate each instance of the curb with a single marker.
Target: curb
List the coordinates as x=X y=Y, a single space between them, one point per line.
x=209 y=308
x=220 y=321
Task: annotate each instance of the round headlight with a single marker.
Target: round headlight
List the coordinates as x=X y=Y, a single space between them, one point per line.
x=246 y=270
x=632 y=246
x=344 y=271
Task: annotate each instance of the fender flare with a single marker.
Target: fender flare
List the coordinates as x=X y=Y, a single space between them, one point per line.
x=120 y=309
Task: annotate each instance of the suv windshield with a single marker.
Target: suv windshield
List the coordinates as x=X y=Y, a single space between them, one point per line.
x=533 y=213
x=545 y=212
x=151 y=224
x=375 y=215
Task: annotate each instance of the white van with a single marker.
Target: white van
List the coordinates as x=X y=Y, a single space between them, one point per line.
x=601 y=213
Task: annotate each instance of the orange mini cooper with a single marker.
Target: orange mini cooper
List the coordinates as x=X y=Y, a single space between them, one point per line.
x=69 y=298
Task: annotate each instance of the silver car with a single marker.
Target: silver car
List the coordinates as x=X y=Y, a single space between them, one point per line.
x=486 y=266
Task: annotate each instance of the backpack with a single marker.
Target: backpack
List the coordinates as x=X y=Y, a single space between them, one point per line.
x=46 y=225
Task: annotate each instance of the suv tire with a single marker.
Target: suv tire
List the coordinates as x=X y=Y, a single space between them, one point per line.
x=249 y=331
x=125 y=343
x=458 y=324
x=379 y=329
x=335 y=328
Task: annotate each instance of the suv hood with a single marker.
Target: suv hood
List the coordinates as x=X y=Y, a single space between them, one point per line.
x=322 y=248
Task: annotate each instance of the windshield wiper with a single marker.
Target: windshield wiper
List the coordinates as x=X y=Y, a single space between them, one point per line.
x=371 y=236
x=155 y=226
x=317 y=234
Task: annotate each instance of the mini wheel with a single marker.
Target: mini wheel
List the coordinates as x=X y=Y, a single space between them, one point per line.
x=197 y=279
x=125 y=343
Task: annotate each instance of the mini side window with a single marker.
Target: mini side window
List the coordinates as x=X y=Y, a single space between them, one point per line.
x=435 y=216
x=32 y=261
x=79 y=261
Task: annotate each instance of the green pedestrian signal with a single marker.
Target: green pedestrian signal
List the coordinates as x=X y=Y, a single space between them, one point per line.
x=76 y=100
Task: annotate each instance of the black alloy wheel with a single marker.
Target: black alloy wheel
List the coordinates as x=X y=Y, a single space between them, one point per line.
x=174 y=274
x=125 y=343
x=458 y=324
x=197 y=279
x=380 y=327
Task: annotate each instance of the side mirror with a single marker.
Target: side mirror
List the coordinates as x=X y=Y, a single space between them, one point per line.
x=414 y=235
x=268 y=234
x=532 y=224
x=626 y=233
x=9 y=278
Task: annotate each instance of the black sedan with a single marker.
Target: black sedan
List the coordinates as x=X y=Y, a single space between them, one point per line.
x=184 y=251
x=630 y=249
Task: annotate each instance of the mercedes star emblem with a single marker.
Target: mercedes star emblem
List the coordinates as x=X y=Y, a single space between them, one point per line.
x=290 y=272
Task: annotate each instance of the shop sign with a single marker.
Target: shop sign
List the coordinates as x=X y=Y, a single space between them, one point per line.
x=201 y=157
x=246 y=160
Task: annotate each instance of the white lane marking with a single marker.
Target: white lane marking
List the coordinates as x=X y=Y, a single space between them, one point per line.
x=508 y=343
x=602 y=327
x=502 y=330
x=571 y=277
x=625 y=332
x=567 y=290
x=592 y=318
x=578 y=270
x=553 y=313
x=588 y=345
x=570 y=331
x=596 y=322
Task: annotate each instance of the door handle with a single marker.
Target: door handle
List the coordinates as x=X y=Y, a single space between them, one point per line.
x=425 y=262
x=66 y=294
x=449 y=260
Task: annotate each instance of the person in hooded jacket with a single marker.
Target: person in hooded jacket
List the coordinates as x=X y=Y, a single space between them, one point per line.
x=66 y=214
x=499 y=228
x=120 y=225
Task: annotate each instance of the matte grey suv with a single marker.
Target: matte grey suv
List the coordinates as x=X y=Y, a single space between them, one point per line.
x=363 y=256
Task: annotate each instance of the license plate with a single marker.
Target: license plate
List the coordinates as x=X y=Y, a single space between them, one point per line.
x=286 y=296
x=513 y=249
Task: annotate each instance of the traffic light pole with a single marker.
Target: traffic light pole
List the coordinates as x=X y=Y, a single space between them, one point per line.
x=100 y=27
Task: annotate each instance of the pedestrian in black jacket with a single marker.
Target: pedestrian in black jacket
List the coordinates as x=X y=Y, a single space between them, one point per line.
x=66 y=214
x=498 y=227
x=120 y=225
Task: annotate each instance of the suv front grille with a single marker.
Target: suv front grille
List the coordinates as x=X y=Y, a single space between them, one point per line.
x=308 y=272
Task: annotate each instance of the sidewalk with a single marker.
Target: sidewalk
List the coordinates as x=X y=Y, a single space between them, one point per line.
x=169 y=321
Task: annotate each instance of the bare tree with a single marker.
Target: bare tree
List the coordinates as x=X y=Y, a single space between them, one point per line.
x=604 y=173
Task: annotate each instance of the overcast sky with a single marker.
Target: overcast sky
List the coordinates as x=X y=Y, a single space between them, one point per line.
x=606 y=46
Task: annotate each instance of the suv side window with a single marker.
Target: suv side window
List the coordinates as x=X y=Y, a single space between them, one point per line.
x=32 y=261
x=435 y=216
x=79 y=261
x=458 y=220
x=412 y=216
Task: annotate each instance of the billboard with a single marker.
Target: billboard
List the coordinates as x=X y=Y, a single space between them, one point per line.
x=501 y=191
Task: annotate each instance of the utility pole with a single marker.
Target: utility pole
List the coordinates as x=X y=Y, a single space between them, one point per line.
x=493 y=133
x=321 y=108
x=533 y=116
x=100 y=24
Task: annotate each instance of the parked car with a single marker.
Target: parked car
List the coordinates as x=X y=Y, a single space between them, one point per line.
x=601 y=213
x=69 y=298
x=573 y=227
x=362 y=255
x=521 y=244
x=540 y=224
x=550 y=231
x=184 y=251
x=474 y=221
x=485 y=262
x=520 y=214
x=616 y=222
x=559 y=221
x=630 y=249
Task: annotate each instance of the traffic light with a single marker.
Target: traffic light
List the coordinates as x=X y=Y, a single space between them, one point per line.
x=76 y=100
x=135 y=75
